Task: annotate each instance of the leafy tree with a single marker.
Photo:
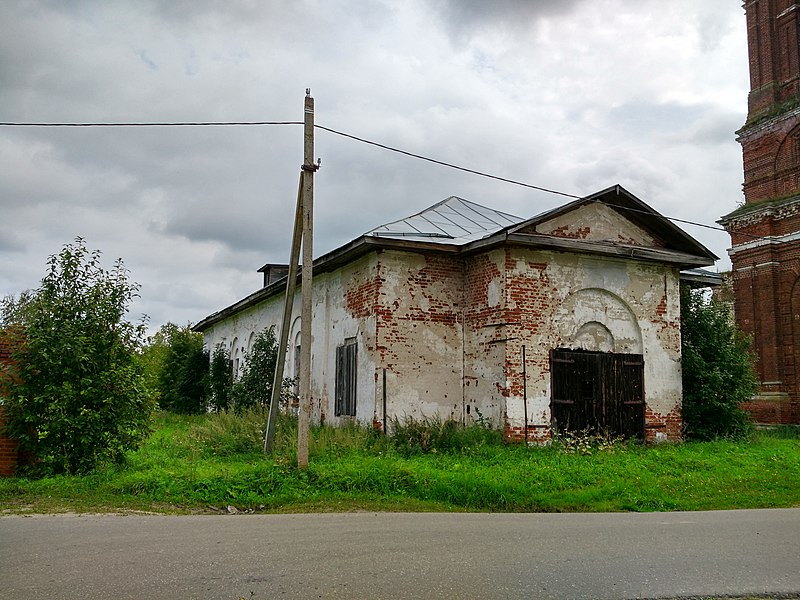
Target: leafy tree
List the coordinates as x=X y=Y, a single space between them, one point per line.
x=220 y=379
x=151 y=358
x=77 y=396
x=13 y=311
x=254 y=386
x=177 y=368
x=718 y=373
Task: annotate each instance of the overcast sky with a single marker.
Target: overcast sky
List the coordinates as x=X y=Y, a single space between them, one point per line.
x=572 y=95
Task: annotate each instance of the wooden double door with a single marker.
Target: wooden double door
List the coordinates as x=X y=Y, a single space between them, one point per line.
x=597 y=392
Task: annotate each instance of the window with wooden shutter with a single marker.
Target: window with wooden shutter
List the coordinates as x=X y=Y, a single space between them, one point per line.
x=346 y=378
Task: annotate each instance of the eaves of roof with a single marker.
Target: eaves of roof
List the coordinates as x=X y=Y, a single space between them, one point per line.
x=702 y=278
x=326 y=263
x=366 y=244
x=676 y=258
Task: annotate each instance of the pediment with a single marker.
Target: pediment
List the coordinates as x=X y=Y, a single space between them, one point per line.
x=597 y=222
x=611 y=218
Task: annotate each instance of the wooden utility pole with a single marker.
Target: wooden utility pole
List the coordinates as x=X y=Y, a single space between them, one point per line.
x=283 y=338
x=303 y=232
x=306 y=281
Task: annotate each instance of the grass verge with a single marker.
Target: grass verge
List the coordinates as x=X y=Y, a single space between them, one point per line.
x=206 y=463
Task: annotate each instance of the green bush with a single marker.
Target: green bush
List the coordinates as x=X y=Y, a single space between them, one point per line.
x=182 y=372
x=77 y=397
x=718 y=373
x=254 y=385
x=220 y=379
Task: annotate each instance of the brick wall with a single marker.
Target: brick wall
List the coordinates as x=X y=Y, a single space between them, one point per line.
x=419 y=333
x=766 y=283
x=659 y=428
x=550 y=298
x=8 y=447
x=770 y=155
x=484 y=335
x=772 y=37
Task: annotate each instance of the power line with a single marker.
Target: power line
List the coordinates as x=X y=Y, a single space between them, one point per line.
x=349 y=136
x=506 y=180
x=154 y=124
x=450 y=165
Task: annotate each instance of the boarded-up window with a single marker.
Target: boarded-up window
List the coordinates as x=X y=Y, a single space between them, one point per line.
x=346 y=378
x=598 y=392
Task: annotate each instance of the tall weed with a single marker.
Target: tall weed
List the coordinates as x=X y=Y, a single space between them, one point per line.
x=432 y=434
x=228 y=433
x=587 y=442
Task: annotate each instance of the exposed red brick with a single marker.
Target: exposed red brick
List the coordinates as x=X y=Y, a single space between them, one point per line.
x=536 y=434
x=567 y=232
x=8 y=450
x=8 y=446
x=671 y=425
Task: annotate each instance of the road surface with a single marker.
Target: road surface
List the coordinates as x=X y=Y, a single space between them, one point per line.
x=400 y=555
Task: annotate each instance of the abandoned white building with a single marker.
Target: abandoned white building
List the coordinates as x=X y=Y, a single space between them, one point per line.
x=431 y=315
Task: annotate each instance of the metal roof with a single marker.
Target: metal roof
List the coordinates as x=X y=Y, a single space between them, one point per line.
x=451 y=221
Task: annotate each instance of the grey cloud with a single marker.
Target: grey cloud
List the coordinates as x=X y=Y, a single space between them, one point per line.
x=651 y=118
x=464 y=17
x=194 y=211
x=717 y=127
x=10 y=241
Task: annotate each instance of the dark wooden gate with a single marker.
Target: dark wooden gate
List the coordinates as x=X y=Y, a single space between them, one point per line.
x=599 y=392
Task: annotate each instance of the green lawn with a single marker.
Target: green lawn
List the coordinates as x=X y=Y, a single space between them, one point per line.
x=206 y=463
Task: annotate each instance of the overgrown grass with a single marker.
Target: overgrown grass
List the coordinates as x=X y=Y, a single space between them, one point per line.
x=205 y=463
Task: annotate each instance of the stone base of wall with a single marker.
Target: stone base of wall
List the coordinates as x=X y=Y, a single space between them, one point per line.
x=774 y=409
x=663 y=428
x=536 y=434
x=658 y=428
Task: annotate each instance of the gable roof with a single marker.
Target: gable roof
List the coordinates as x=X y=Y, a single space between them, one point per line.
x=458 y=226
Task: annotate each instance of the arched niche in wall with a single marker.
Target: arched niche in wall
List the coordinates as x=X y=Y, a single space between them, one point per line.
x=594 y=336
x=235 y=355
x=292 y=365
x=250 y=339
x=788 y=153
x=795 y=315
x=599 y=320
x=786 y=163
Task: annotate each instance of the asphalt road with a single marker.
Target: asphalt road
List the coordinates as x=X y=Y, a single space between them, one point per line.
x=400 y=555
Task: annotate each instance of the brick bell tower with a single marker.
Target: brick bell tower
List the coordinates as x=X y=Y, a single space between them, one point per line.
x=765 y=230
